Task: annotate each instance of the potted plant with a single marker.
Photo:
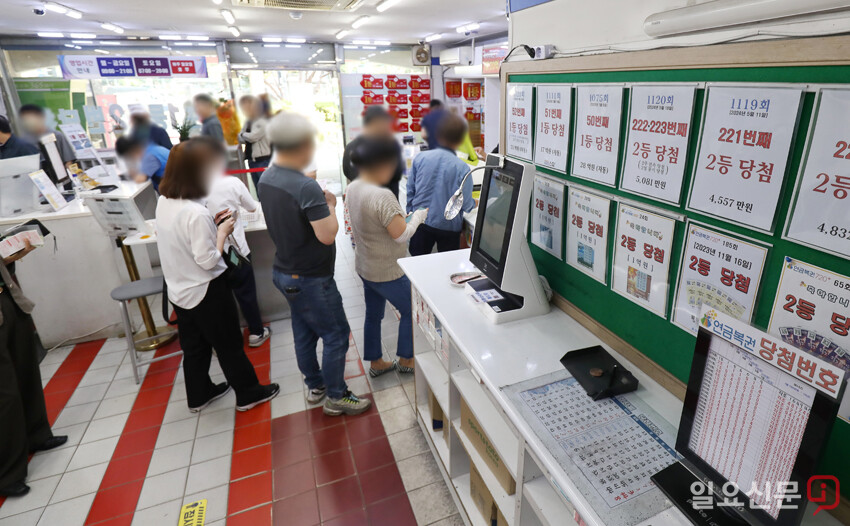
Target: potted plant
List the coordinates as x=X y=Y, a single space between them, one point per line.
x=184 y=128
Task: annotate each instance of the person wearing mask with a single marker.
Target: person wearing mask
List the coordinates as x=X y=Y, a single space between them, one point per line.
x=303 y=227
x=377 y=122
x=230 y=194
x=434 y=177
x=10 y=145
x=431 y=121
x=381 y=234
x=205 y=110
x=253 y=135
x=145 y=130
x=145 y=161
x=190 y=248
x=23 y=415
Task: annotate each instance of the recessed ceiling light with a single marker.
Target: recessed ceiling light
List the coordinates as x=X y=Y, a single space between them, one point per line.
x=297 y=40
x=293 y=45
x=56 y=8
x=85 y=36
x=385 y=51
x=72 y=46
x=370 y=55
x=234 y=31
x=111 y=27
x=77 y=47
x=83 y=42
x=170 y=37
x=102 y=51
x=50 y=34
x=369 y=47
x=227 y=14
x=468 y=27
x=321 y=49
x=197 y=38
x=206 y=44
x=360 y=42
x=342 y=34
x=109 y=43
x=245 y=49
x=349 y=46
x=360 y=21
x=386 y=4
x=166 y=47
x=296 y=15
x=272 y=40
x=382 y=43
x=73 y=13
x=271 y=45
x=182 y=44
x=435 y=36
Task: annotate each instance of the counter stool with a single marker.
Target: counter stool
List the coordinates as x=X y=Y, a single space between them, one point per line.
x=124 y=295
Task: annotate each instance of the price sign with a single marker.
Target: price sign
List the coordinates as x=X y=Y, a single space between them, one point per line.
x=657 y=142
x=587 y=233
x=812 y=311
x=597 y=136
x=821 y=214
x=746 y=139
x=720 y=271
x=518 y=126
x=642 y=257
x=552 y=139
x=547 y=215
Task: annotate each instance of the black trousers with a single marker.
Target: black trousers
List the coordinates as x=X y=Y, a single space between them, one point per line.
x=214 y=323
x=23 y=415
x=426 y=236
x=245 y=289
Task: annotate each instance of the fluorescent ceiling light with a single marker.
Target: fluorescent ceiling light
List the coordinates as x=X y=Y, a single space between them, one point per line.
x=182 y=44
x=369 y=47
x=245 y=49
x=166 y=47
x=293 y=45
x=170 y=37
x=296 y=40
x=386 y=4
x=360 y=42
x=321 y=49
x=227 y=14
x=382 y=43
x=271 y=45
x=468 y=27
x=84 y=36
x=50 y=34
x=272 y=40
x=217 y=2
x=72 y=46
x=356 y=5
x=77 y=47
x=370 y=55
x=82 y=41
x=103 y=51
x=326 y=62
x=435 y=36
x=111 y=27
x=342 y=34
x=360 y=21
x=109 y=43
x=197 y=38
x=234 y=31
x=56 y=8
x=73 y=13
x=349 y=46
x=385 y=51
x=206 y=44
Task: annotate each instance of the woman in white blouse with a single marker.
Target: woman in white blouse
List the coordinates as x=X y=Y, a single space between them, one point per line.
x=190 y=248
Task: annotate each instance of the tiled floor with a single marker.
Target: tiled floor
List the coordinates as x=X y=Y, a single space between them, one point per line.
x=136 y=454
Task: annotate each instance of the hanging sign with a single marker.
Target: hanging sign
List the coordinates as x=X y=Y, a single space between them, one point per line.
x=518 y=127
x=195 y=67
x=743 y=155
x=812 y=311
x=642 y=257
x=491 y=59
x=115 y=67
x=720 y=271
x=587 y=233
x=79 y=66
x=659 y=129
x=152 y=66
x=547 y=215
x=597 y=135
x=552 y=139
x=821 y=213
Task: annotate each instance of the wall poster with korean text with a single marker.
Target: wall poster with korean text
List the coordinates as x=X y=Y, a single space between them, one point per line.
x=518 y=125
x=596 y=141
x=587 y=233
x=552 y=137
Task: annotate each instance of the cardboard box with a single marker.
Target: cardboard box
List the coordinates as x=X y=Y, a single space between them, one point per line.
x=437 y=417
x=483 y=499
x=447 y=424
x=473 y=430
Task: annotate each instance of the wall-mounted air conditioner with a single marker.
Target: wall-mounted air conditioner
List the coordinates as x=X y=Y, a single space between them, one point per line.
x=458 y=56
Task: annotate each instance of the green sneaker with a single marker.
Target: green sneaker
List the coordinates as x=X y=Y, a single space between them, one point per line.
x=350 y=404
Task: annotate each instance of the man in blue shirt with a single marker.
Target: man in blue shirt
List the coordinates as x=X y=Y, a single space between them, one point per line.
x=434 y=178
x=144 y=161
x=11 y=146
x=431 y=122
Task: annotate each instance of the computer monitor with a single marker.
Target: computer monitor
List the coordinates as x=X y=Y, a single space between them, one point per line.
x=495 y=221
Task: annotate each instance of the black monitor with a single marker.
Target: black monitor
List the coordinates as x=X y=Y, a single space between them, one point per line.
x=497 y=210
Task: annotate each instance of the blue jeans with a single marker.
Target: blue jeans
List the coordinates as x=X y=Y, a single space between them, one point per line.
x=317 y=312
x=377 y=294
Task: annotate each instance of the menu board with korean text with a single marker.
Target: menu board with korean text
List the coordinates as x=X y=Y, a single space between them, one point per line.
x=746 y=138
x=821 y=213
x=552 y=137
x=642 y=251
x=587 y=233
x=718 y=270
x=518 y=125
x=597 y=135
x=547 y=215
x=659 y=130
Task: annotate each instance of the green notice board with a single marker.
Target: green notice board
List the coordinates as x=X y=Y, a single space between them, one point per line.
x=656 y=337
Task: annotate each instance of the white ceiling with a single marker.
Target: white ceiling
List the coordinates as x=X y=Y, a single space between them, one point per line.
x=407 y=22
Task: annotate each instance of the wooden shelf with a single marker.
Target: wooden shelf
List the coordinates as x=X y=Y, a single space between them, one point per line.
x=505 y=502
x=546 y=503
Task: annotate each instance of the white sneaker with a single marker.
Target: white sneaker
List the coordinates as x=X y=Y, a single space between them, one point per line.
x=255 y=340
x=314 y=396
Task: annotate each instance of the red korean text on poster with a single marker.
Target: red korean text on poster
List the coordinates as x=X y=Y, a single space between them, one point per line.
x=370 y=97
x=394 y=82
x=370 y=82
x=472 y=91
x=416 y=125
x=401 y=126
x=398 y=112
x=417 y=112
x=417 y=82
x=420 y=97
x=453 y=89
x=183 y=67
x=394 y=97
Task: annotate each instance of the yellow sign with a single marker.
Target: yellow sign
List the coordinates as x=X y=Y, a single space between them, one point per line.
x=193 y=514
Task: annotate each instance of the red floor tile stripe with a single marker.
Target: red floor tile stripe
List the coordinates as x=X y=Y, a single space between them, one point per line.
x=118 y=494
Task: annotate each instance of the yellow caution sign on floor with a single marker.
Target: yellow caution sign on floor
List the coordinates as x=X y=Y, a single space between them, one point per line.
x=193 y=514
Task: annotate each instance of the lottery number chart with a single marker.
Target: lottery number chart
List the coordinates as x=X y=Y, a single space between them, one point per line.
x=749 y=421
x=616 y=444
